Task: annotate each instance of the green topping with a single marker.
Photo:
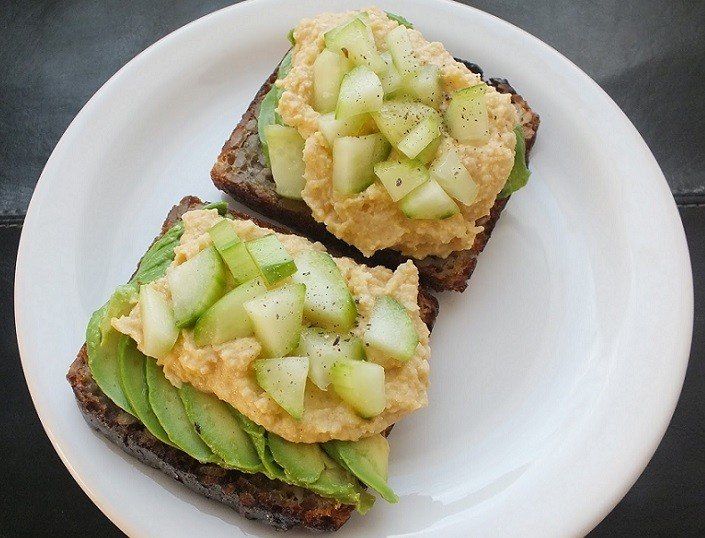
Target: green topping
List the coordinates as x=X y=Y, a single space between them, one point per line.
x=290 y=37
x=398 y=18
x=219 y=428
x=133 y=380
x=268 y=109
x=301 y=462
x=167 y=406
x=519 y=176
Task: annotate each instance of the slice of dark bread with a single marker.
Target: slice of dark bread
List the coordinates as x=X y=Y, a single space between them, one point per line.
x=253 y=495
x=240 y=171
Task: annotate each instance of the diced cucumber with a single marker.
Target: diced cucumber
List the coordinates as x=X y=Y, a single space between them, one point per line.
x=158 y=326
x=285 y=381
x=451 y=174
x=355 y=40
x=367 y=459
x=286 y=149
x=133 y=380
x=329 y=303
x=169 y=409
x=428 y=201
x=227 y=320
x=276 y=318
x=401 y=176
x=272 y=259
x=223 y=235
x=466 y=115
x=361 y=91
x=328 y=71
x=218 y=427
x=240 y=262
x=390 y=78
x=421 y=136
x=324 y=348
x=353 y=126
x=396 y=118
x=302 y=462
x=429 y=152
x=196 y=284
x=354 y=158
x=391 y=331
x=402 y=52
x=425 y=85
x=361 y=385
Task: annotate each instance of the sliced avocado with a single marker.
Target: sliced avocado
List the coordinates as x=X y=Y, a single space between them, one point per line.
x=102 y=346
x=302 y=462
x=367 y=460
x=215 y=423
x=167 y=406
x=132 y=364
x=259 y=438
x=338 y=483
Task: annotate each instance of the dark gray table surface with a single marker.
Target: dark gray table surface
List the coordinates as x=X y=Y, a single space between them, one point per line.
x=648 y=55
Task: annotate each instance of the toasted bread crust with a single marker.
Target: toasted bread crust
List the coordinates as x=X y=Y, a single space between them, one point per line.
x=241 y=172
x=252 y=495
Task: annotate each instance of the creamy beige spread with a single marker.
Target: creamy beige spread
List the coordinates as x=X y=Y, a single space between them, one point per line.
x=225 y=369
x=371 y=220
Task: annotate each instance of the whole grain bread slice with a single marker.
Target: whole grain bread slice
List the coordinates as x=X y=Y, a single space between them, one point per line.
x=252 y=495
x=241 y=172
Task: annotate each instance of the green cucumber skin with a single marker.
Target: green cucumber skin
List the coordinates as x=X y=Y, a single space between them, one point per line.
x=328 y=301
x=133 y=378
x=391 y=331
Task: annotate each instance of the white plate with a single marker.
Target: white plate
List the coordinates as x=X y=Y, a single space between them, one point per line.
x=554 y=375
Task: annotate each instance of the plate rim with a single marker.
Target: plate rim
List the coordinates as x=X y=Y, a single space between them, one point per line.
x=687 y=310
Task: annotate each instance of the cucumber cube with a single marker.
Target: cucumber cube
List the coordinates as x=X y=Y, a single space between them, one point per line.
x=196 y=284
x=324 y=349
x=285 y=382
x=233 y=251
x=466 y=115
x=428 y=201
x=450 y=173
x=356 y=41
x=390 y=78
x=361 y=91
x=271 y=258
x=360 y=384
x=227 y=320
x=401 y=176
x=328 y=71
x=429 y=152
x=353 y=126
x=425 y=85
x=240 y=263
x=402 y=51
x=421 y=136
x=391 y=331
x=223 y=235
x=286 y=150
x=276 y=318
x=354 y=158
x=158 y=326
x=395 y=119
x=328 y=303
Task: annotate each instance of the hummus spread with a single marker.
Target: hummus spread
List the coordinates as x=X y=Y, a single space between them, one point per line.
x=371 y=220
x=225 y=371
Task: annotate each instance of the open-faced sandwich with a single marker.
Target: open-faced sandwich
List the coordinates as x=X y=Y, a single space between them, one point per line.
x=378 y=142
x=257 y=367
